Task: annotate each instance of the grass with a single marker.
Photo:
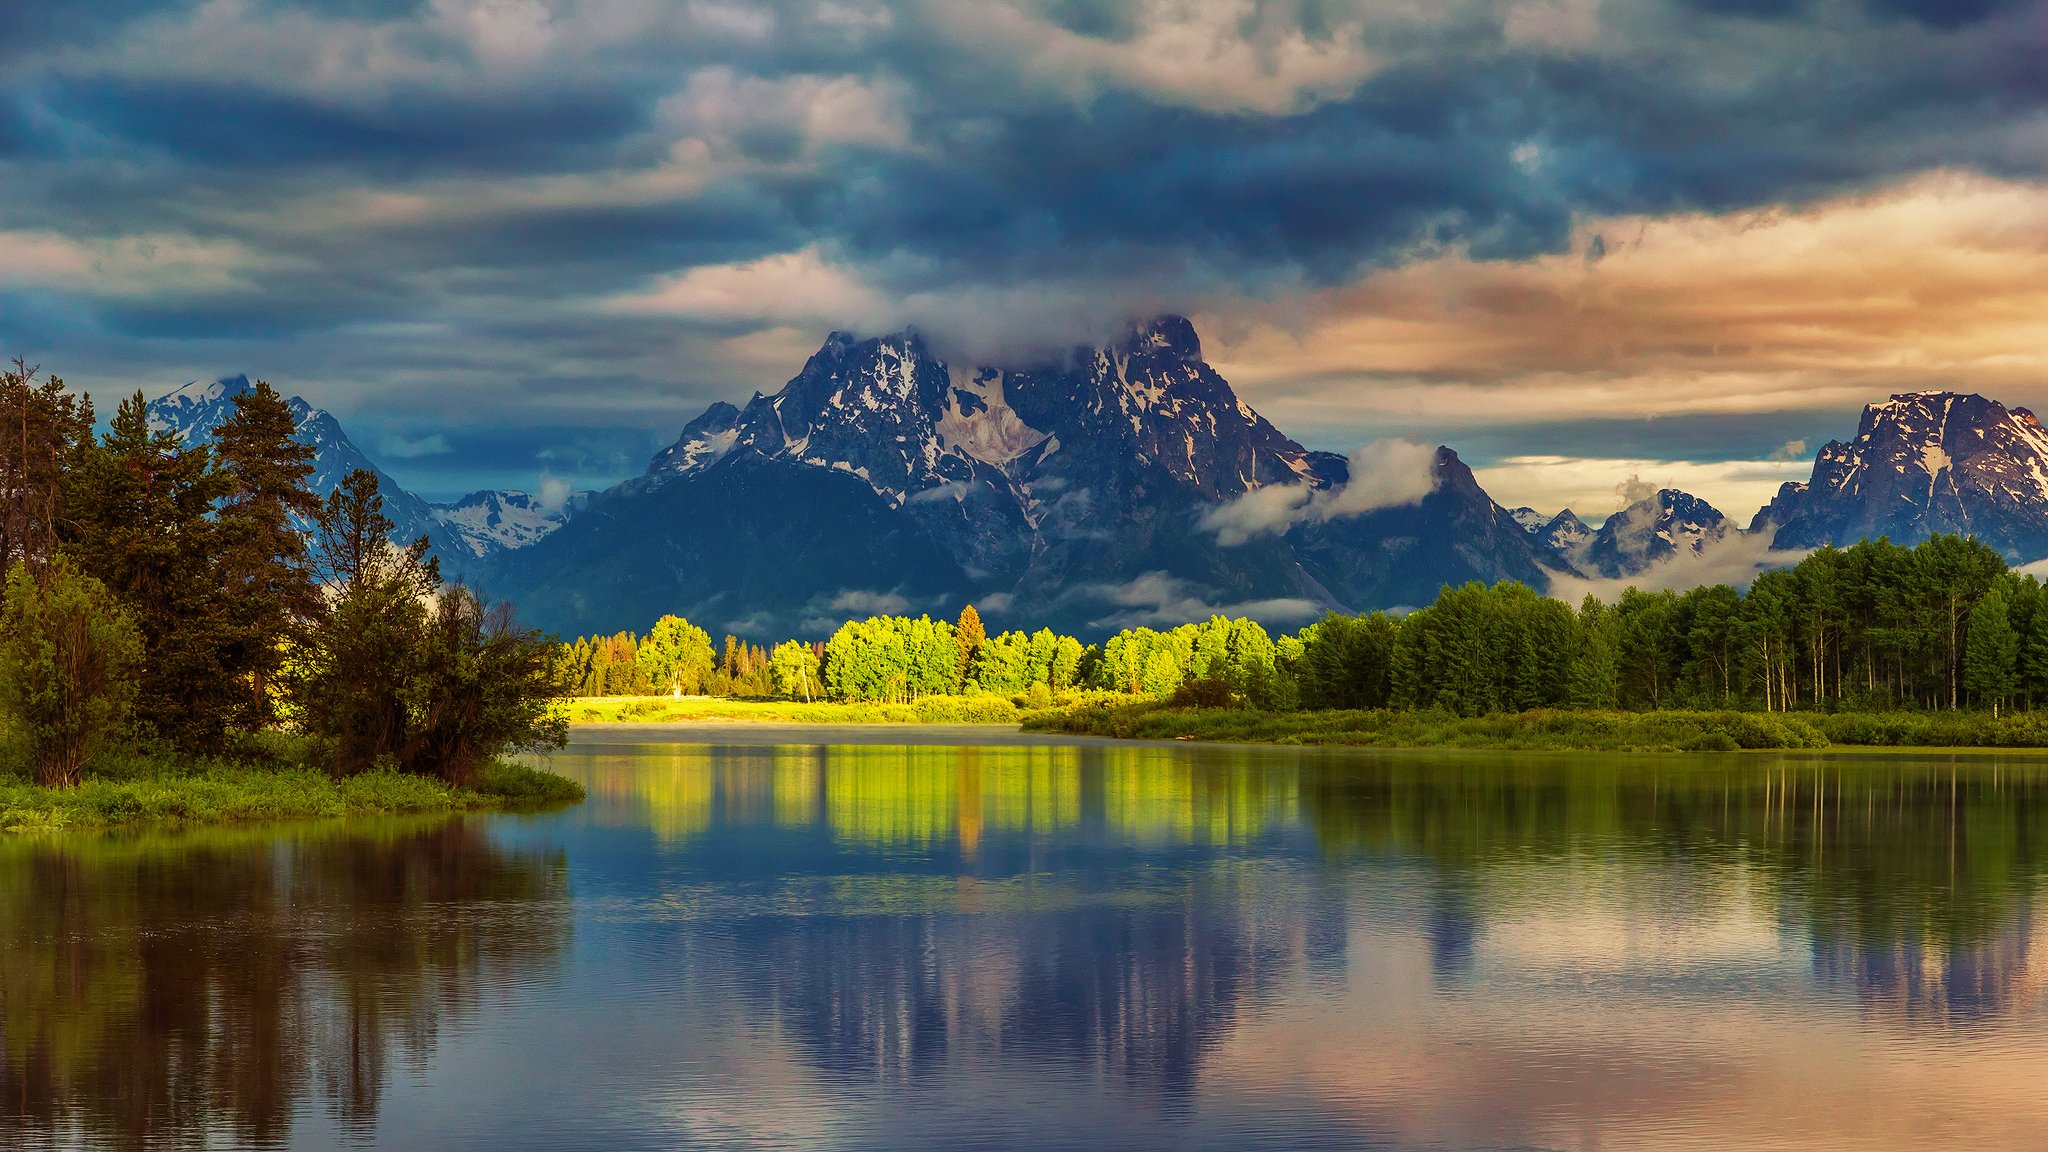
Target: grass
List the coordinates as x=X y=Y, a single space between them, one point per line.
x=667 y=710
x=152 y=790
x=1557 y=730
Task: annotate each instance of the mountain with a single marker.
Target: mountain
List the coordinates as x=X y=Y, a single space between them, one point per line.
x=1113 y=485
x=1651 y=529
x=1923 y=463
x=480 y=524
x=499 y=520
x=1563 y=535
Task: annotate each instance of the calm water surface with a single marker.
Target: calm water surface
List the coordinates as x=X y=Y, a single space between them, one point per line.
x=869 y=946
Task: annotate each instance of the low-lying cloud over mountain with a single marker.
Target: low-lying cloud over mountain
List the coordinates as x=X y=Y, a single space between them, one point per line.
x=575 y=220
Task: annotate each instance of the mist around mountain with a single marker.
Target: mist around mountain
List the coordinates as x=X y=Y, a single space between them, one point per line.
x=1125 y=485
x=1119 y=485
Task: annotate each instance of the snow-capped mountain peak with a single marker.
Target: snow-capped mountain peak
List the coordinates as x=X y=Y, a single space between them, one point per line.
x=498 y=520
x=1921 y=463
x=1662 y=524
x=478 y=525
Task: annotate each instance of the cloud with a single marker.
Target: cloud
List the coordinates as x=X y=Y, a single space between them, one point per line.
x=1586 y=484
x=1940 y=281
x=861 y=602
x=1734 y=559
x=411 y=448
x=1383 y=474
x=582 y=215
x=1158 y=600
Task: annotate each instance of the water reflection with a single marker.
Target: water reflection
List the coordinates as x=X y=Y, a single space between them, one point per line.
x=159 y=990
x=1911 y=880
x=1160 y=947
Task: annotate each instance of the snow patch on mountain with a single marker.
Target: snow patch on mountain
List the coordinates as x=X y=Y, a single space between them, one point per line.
x=979 y=420
x=492 y=521
x=480 y=524
x=1923 y=463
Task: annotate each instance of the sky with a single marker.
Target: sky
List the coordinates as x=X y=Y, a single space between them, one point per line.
x=1584 y=242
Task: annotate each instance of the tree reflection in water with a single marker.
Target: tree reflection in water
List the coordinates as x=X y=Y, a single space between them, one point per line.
x=160 y=989
x=1913 y=876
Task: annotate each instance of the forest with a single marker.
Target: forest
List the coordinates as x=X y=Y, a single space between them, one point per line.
x=198 y=602
x=1875 y=627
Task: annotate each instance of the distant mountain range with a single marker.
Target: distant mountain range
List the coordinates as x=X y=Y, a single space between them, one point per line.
x=478 y=526
x=1112 y=486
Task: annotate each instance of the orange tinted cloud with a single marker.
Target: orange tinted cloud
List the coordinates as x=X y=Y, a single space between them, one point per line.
x=1938 y=282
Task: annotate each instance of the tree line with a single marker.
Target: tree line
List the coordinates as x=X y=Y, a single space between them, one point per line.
x=1876 y=626
x=192 y=596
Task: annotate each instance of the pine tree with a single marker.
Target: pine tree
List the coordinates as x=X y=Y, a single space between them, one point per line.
x=43 y=429
x=971 y=636
x=140 y=518
x=265 y=577
x=1991 y=653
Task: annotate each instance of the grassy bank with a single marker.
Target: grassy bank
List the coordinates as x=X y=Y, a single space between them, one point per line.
x=1559 y=730
x=142 y=792
x=666 y=710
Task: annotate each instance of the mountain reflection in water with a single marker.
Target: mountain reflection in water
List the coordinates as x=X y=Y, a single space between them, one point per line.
x=901 y=947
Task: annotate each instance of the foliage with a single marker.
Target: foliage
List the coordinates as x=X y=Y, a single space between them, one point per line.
x=483 y=687
x=400 y=672
x=68 y=663
x=794 y=667
x=676 y=656
x=663 y=710
x=892 y=659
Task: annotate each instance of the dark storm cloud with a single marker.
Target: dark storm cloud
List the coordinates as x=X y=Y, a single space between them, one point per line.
x=431 y=204
x=228 y=128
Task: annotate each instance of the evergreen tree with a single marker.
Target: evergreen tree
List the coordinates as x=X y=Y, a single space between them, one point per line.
x=68 y=658
x=1593 y=674
x=265 y=578
x=1992 y=652
x=43 y=428
x=141 y=522
x=350 y=683
x=971 y=636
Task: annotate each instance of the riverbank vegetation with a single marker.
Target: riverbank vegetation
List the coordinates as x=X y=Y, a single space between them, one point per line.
x=174 y=614
x=1873 y=644
x=1552 y=729
x=982 y=709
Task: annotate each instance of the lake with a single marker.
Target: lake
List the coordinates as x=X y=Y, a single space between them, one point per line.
x=1027 y=944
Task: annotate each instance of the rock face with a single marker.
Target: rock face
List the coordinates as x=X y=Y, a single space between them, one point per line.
x=1652 y=529
x=498 y=520
x=479 y=525
x=1564 y=535
x=1082 y=492
x=1923 y=463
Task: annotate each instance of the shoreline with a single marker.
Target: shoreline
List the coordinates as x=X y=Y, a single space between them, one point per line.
x=229 y=795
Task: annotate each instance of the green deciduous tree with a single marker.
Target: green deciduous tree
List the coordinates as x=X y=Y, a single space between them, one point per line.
x=676 y=656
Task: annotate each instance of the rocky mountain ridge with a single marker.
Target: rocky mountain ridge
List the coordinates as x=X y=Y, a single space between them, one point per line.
x=1118 y=485
x=1084 y=490
x=479 y=525
x=1923 y=463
